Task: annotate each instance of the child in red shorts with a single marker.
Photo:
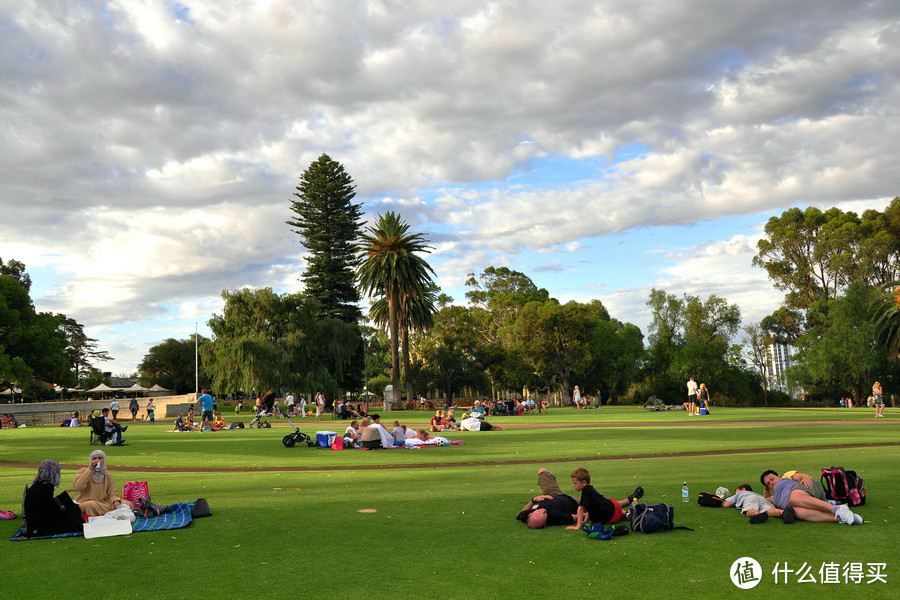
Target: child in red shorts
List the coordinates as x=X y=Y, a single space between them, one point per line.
x=594 y=507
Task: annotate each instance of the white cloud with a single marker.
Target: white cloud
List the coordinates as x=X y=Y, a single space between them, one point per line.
x=151 y=149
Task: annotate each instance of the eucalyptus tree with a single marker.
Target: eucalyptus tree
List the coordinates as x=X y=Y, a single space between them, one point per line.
x=81 y=350
x=32 y=346
x=391 y=266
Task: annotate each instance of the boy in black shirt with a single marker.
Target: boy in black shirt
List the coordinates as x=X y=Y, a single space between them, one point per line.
x=594 y=507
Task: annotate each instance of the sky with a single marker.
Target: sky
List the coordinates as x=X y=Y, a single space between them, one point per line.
x=149 y=150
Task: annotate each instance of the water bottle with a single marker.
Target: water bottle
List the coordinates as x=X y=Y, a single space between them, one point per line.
x=684 y=492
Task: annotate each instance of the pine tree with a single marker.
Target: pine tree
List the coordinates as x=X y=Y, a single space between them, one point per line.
x=329 y=223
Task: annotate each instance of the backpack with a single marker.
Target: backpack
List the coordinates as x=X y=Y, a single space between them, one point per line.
x=845 y=487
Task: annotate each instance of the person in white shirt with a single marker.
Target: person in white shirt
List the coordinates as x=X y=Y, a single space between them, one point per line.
x=470 y=423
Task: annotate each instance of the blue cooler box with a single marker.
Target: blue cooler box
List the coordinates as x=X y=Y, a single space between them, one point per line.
x=324 y=439
x=703 y=411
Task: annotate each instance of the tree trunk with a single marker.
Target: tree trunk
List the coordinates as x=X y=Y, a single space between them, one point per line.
x=406 y=375
x=395 y=342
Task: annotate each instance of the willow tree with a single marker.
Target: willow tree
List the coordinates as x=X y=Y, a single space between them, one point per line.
x=266 y=341
x=391 y=266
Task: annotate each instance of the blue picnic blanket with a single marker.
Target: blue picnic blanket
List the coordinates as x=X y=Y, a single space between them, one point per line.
x=175 y=516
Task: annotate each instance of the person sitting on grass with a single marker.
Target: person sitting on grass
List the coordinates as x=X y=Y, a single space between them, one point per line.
x=450 y=421
x=370 y=435
x=45 y=514
x=753 y=505
x=594 y=507
x=803 y=498
x=351 y=435
x=478 y=410
x=552 y=507
x=95 y=489
x=437 y=421
x=398 y=433
x=181 y=424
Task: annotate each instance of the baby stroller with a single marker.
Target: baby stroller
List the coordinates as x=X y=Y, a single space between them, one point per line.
x=291 y=439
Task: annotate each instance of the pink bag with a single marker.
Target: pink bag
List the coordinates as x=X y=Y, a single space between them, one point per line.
x=338 y=443
x=132 y=490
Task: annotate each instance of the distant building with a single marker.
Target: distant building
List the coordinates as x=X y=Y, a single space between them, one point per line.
x=778 y=360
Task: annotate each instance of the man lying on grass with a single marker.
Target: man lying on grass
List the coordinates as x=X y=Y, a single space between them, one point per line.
x=594 y=507
x=798 y=494
x=552 y=507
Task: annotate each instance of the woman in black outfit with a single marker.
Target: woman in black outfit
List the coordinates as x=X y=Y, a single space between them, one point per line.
x=45 y=514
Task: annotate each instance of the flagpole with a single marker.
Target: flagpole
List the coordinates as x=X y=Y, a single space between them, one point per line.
x=196 y=362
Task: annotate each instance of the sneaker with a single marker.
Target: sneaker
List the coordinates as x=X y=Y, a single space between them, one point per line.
x=761 y=518
x=620 y=530
x=857 y=520
x=125 y=428
x=637 y=494
x=844 y=515
x=788 y=515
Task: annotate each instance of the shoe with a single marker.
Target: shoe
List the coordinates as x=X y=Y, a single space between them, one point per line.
x=637 y=494
x=620 y=530
x=761 y=518
x=857 y=520
x=844 y=515
x=125 y=428
x=788 y=515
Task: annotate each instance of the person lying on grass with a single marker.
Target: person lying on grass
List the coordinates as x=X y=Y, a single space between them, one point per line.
x=423 y=438
x=594 y=507
x=754 y=505
x=470 y=423
x=798 y=494
x=552 y=507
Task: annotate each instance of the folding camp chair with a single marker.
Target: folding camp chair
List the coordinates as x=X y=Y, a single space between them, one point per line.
x=99 y=435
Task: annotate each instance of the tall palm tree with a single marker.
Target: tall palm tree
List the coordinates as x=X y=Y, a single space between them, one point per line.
x=390 y=266
x=886 y=313
x=415 y=313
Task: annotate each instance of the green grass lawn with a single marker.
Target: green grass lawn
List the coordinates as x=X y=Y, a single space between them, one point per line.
x=448 y=530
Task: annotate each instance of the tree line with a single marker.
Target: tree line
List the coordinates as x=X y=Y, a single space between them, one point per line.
x=841 y=311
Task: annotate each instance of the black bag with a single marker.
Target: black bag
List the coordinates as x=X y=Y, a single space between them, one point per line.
x=707 y=499
x=653 y=518
x=148 y=509
x=201 y=509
